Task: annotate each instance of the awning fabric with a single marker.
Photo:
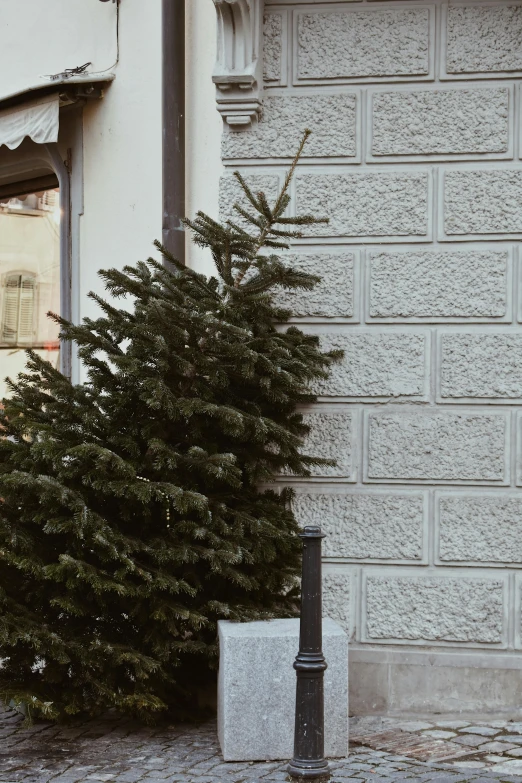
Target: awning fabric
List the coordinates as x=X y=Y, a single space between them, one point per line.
x=38 y=119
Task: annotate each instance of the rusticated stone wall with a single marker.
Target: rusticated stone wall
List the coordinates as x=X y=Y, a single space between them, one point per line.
x=416 y=158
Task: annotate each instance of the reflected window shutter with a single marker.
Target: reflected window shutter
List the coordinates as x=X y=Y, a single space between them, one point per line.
x=26 y=311
x=19 y=303
x=11 y=309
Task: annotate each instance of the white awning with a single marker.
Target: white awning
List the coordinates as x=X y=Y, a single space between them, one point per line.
x=38 y=119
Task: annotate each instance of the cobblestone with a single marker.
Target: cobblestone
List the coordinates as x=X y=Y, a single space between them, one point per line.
x=113 y=750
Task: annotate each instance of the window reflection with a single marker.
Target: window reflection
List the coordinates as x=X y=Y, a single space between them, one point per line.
x=29 y=279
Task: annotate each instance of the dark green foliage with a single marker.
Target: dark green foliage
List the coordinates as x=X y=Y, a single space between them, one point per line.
x=131 y=513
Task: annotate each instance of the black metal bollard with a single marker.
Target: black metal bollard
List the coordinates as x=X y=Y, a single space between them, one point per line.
x=308 y=762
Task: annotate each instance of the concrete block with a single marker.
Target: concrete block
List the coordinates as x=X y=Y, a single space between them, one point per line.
x=474 y=689
x=438 y=122
x=272 y=46
x=483 y=202
x=368 y=688
x=479 y=528
x=256 y=689
x=434 y=680
x=435 y=608
x=331 y=118
x=356 y=43
x=331 y=436
x=432 y=284
x=339 y=598
x=375 y=364
x=333 y=296
x=478 y=365
x=421 y=446
x=230 y=193
x=360 y=526
x=518 y=611
x=483 y=38
x=366 y=204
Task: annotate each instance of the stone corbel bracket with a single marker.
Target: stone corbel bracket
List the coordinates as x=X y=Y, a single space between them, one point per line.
x=238 y=73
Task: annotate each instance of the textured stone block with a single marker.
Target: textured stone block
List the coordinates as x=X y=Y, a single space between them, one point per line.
x=483 y=202
x=331 y=437
x=375 y=364
x=480 y=528
x=437 y=446
x=331 y=118
x=337 y=598
x=481 y=365
x=230 y=193
x=272 y=47
x=333 y=296
x=438 y=609
x=518 y=643
x=377 y=42
x=484 y=38
x=256 y=689
x=437 y=122
x=365 y=204
x=365 y=526
x=430 y=284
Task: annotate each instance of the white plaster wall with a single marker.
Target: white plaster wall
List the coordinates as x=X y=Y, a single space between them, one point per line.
x=116 y=146
x=203 y=124
x=122 y=145
x=122 y=151
x=39 y=39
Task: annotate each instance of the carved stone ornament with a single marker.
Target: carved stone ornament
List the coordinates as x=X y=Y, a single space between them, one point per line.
x=238 y=73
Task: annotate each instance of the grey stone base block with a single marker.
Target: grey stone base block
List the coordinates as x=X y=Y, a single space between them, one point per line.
x=424 y=682
x=256 y=689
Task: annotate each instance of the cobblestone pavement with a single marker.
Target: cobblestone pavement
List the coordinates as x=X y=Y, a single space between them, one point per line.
x=115 y=749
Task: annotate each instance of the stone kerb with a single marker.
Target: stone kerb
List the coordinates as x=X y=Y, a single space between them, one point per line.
x=256 y=689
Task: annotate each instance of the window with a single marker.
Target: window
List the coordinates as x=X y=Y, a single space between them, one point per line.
x=39 y=222
x=29 y=279
x=19 y=308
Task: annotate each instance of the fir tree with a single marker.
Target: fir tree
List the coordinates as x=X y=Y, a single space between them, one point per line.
x=132 y=513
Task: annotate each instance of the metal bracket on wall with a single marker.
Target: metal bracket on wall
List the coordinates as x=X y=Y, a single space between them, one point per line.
x=238 y=71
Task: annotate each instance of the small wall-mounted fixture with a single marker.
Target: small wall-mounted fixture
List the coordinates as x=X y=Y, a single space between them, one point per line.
x=238 y=70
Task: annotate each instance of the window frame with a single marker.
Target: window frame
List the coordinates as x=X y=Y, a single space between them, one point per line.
x=47 y=157
x=64 y=184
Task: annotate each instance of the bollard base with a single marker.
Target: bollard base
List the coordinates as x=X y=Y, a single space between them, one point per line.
x=309 y=770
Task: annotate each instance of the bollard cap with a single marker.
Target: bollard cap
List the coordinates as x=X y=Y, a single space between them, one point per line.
x=312 y=531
